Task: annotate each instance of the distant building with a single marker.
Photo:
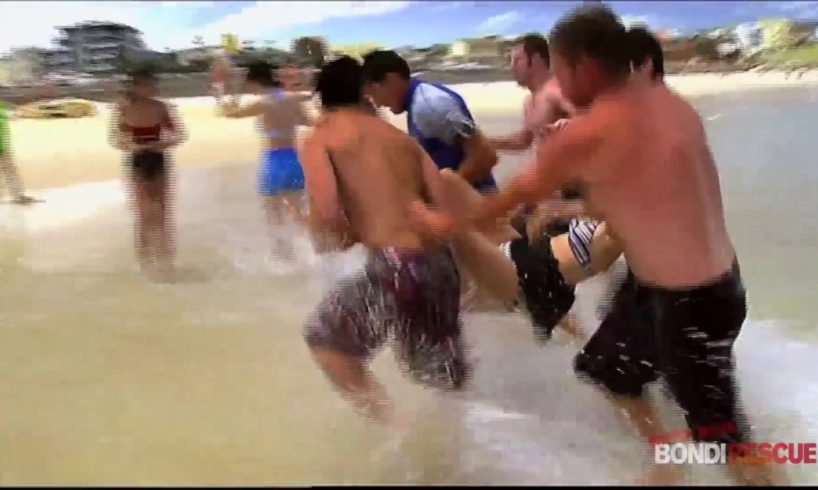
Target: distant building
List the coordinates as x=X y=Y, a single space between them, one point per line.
x=96 y=47
x=24 y=66
x=186 y=57
x=750 y=36
x=479 y=48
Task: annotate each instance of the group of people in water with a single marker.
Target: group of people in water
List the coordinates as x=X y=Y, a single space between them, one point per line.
x=621 y=167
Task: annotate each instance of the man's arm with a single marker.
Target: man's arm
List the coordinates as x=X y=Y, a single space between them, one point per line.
x=480 y=157
x=326 y=213
x=519 y=141
x=232 y=109
x=560 y=160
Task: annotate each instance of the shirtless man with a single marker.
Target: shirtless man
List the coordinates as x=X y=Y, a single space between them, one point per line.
x=280 y=177
x=361 y=174
x=641 y=155
x=544 y=107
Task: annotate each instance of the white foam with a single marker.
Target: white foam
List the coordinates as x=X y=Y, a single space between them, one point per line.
x=64 y=207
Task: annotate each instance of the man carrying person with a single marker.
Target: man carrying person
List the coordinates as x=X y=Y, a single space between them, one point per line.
x=640 y=153
x=361 y=174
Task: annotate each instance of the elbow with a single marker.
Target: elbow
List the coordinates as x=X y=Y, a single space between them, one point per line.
x=489 y=159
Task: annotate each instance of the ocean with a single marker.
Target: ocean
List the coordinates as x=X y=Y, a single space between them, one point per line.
x=107 y=378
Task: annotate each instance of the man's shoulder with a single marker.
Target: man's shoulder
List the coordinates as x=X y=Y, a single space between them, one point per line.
x=430 y=97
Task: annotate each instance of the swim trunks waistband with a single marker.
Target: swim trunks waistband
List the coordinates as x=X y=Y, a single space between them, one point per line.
x=729 y=278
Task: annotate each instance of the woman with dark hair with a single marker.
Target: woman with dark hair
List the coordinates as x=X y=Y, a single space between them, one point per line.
x=280 y=178
x=144 y=128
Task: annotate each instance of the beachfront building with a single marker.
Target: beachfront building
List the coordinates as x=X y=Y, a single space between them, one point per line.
x=483 y=48
x=199 y=54
x=99 y=48
x=749 y=36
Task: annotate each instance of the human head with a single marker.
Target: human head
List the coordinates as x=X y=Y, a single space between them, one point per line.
x=142 y=83
x=386 y=76
x=260 y=77
x=644 y=46
x=529 y=54
x=287 y=76
x=589 y=52
x=340 y=84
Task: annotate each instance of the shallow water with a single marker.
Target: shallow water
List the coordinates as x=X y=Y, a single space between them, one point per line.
x=107 y=378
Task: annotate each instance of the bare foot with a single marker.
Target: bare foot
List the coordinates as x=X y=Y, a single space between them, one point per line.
x=24 y=200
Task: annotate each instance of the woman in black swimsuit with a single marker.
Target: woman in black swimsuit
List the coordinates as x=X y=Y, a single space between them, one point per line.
x=144 y=129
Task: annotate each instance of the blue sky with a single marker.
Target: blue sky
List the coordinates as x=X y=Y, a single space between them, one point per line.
x=392 y=23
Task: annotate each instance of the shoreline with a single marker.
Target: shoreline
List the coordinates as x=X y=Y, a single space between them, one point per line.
x=59 y=153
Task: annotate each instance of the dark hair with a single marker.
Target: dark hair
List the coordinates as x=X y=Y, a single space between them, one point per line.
x=593 y=31
x=645 y=45
x=142 y=74
x=379 y=63
x=534 y=44
x=263 y=73
x=340 y=83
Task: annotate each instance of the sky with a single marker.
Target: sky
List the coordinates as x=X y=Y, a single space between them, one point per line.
x=174 y=24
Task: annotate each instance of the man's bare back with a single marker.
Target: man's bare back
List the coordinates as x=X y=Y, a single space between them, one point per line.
x=652 y=149
x=379 y=171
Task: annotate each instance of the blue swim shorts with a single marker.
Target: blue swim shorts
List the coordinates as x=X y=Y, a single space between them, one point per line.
x=279 y=171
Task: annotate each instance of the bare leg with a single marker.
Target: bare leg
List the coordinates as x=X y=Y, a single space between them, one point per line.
x=570 y=325
x=640 y=414
x=356 y=383
x=165 y=240
x=276 y=208
x=141 y=224
x=12 y=178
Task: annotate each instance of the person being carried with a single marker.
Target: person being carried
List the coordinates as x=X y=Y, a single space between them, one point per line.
x=361 y=174
x=541 y=271
x=436 y=116
x=280 y=177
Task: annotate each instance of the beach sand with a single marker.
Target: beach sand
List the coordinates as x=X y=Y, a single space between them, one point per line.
x=61 y=152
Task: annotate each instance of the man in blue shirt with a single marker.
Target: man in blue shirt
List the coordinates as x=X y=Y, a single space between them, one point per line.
x=437 y=117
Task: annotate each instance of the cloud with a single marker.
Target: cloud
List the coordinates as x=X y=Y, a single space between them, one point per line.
x=499 y=23
x=634 y=20
x=447 y=6
x=169 y=24
x=807 y=9
x=263 y=19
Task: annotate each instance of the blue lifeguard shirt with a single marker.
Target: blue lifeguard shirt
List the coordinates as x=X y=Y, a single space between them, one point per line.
x=438 y=118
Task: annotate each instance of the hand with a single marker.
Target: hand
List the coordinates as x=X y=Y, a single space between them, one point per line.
x=438 y=224
x=542 y=216
x=558 y=125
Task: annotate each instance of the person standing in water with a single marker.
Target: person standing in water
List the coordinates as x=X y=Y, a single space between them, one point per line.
x=145 y=128
x=641 y=153
x=362 y=173
x=280 y=177
x=8 y=169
